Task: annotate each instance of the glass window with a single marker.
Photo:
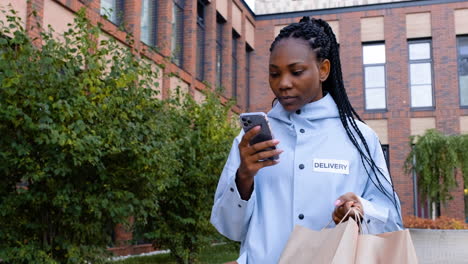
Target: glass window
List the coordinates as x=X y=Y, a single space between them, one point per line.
x=374 y=76
x=235 y=38
x=148 y=22
x=200 y=40
x=374 y=54
x=420 y=51
x=463 y=69
x=466 y=202
x=420 y=67
x=386 y=152
x=219 y=50
x=113 y=10
x=248 y=58
x=177 y=36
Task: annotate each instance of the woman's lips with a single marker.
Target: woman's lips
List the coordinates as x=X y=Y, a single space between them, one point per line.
x=287 y=99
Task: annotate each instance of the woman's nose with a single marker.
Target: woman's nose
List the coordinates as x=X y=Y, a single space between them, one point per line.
x=285 y=83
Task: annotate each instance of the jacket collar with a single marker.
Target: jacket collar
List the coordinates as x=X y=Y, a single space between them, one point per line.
x=321 y=109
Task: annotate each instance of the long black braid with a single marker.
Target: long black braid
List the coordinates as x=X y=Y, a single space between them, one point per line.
x=323 y=41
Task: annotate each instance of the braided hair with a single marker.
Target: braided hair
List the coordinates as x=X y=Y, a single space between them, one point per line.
x=322 y=40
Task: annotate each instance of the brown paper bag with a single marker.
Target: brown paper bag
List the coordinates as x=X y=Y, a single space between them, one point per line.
x=388 y=248
x=334 y=245
x=344 y=244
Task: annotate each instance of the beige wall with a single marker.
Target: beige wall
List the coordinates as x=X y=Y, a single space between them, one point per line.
x=335 y=26
x=199 y=97
x=418 y=25
x=222 y=8
x=463 y=124
x=236 y=18
x=278 y=29
x=420 y=125
x=105 y=36
x=280 y=6
x=175 y=82
x=380 y=127
x=461 y=21
x=18 y=5
x=58 y=22
x=250 y=33
x=372 y=28
x=157 y=78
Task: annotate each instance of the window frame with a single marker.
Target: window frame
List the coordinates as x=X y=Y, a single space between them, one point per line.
x=177 y=51
x=118 y=12
x=421 y=61
x=248 y=61
x=364 y=66
x=200 y=55
x=234 y=64
x=459 y=57
x=220 y=25
x=153 y=26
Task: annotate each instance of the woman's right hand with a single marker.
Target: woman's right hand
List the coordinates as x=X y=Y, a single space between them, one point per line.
x=251 y=161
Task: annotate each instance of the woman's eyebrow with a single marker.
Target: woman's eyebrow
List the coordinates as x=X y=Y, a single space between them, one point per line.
x=289 y=65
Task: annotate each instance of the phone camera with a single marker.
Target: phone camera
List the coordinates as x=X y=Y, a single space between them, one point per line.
x=246 y=124
x=243 y=119
x=248 y=121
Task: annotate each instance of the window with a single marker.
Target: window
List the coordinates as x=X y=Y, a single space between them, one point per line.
x=423 y=208
x=148 y=22
x=420 y=73
x=219 y=49
x=200 y=40
x=386 y=152
x=235 y=40
x=177 y=32
x=462 y=43
x=248 y=58
x=466 y=201
x=113 y=9
x=374 y=76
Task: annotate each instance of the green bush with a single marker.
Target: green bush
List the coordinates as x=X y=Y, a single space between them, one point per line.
x=435 y=158
x=84 y=143
x=204 y=134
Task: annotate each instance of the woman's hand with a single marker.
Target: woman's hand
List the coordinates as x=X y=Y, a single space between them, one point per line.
x=252 y=161
x=343 y=204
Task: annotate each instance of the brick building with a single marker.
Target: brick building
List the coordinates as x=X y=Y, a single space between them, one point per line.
x=405 y=63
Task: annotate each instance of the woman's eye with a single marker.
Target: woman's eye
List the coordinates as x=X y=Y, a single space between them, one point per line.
x=297 y=73
x=274 y=74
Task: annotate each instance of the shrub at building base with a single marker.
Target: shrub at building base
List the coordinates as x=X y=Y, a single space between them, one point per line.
x=204 y=134
x=441 y=222
x=436 y=158
x=83 y=144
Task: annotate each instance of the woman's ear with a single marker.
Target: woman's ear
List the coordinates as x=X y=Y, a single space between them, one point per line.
x=324 y=70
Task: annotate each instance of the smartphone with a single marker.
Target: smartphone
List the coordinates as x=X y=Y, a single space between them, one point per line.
x=251 y=120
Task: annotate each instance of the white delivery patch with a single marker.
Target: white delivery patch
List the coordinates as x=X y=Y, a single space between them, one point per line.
x=331 y=165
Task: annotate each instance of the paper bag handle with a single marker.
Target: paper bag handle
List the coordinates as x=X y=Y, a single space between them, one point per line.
x=358 y=215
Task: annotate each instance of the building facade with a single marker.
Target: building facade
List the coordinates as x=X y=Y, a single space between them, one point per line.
x=405 y=63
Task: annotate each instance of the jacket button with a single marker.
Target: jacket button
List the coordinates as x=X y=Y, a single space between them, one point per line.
x=368 y=220
x=301 y=216
x=301 y=166
x=302 y=130
x=232 y=189
x=298 y=111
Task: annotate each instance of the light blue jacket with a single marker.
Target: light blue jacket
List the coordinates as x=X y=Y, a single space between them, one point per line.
x=318 y=165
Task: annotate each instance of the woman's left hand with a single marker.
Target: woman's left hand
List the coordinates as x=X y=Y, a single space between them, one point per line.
x=343 y=204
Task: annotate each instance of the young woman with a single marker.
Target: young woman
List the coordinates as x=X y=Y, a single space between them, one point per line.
x=328 y=161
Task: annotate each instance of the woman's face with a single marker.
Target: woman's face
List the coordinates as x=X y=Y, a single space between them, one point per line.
x=295 y=74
